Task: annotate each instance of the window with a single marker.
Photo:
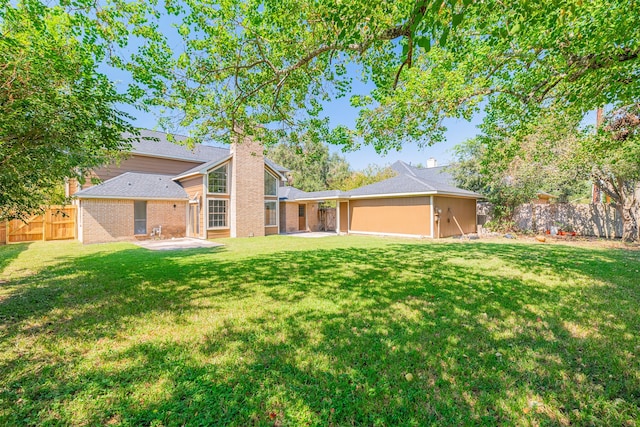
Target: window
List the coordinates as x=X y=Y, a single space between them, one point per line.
x=217 y=213
x=218 y=180
x=139 y=217
x=270 y=184
x=270 y=214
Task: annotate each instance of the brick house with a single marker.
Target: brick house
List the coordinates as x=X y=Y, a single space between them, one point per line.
x=166 y=190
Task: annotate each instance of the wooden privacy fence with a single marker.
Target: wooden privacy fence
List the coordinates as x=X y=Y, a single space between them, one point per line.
x=56 y=223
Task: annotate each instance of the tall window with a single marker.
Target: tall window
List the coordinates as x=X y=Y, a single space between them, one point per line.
x=218 y=180
x=270 y=214
x=217 y=213
x=270 y=184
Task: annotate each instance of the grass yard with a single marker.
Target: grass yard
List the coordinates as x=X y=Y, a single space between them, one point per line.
x=334 y=331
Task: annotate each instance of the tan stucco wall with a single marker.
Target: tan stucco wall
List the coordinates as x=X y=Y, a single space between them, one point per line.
x=401 y=215
x=464 y=211
x=344 y=217
x=105 y=220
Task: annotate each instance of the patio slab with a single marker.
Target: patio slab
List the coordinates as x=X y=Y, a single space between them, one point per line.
x=176 y=244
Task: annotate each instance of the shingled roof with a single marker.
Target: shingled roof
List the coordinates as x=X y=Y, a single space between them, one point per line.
x=135 y=185
x=409 y=180
x=435 y=174
x=156 y=144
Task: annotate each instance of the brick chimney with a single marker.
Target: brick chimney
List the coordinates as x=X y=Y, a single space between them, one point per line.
x=247 y=188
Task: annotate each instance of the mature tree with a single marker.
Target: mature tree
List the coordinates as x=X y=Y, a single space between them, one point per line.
x=57 y=115
x=259 y=63
x=311 y=166
x=612 y=156
x=558 y=156
x=539 y=163
x=371 y=174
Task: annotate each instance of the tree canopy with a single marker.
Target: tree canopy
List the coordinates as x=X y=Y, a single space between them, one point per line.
x=57 y=115
x=311 y=166
x=270 y=64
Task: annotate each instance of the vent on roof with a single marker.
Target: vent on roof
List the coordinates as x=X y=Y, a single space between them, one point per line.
x=431 y=162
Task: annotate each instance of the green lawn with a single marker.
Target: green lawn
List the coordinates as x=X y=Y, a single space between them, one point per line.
x=333 y=331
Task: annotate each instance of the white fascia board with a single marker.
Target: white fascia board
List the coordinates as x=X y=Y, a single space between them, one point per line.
x=204 y=169
x=177 y=178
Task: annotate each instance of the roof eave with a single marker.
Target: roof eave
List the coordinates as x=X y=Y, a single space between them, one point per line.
x=205 y=168
x=80 y=197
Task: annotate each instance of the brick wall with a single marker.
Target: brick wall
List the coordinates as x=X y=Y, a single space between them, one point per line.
x=171 y=215
x=106 y=220
x=290 y=222
x=247 y=189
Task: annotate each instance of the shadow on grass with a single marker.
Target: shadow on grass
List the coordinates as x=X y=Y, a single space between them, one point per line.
x=10 y=252
x=488 y=333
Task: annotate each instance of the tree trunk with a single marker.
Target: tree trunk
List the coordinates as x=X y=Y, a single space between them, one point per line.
x=629 y=215
x=626 y=196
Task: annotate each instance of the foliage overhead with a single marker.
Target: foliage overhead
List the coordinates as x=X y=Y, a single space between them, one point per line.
x=270 y=65
x=370 y=175
x=511 y=172
x=57 y=115
x=311 y=166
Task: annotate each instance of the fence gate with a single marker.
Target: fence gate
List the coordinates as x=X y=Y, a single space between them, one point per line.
x=56 y=223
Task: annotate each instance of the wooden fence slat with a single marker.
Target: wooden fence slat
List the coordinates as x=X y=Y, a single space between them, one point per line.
x=57 y=223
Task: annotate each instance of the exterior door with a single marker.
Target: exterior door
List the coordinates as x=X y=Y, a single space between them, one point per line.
x=194 y=220
x=139 y=217
x=302 y=217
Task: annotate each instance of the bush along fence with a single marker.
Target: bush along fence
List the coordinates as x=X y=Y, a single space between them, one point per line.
x=56 y=223
x=600 y=220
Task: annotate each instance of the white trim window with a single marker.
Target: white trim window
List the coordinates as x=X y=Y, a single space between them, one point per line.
x=217 y=213
x=218 y=182
x=270 y=213
x=270 y=184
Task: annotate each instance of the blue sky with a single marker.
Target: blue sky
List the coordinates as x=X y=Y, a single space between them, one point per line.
x=340 y=112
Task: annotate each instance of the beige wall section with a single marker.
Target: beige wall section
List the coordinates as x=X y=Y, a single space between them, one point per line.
x=313 y=221
x=344 y=217
x=247 y=189
x=137 y=163
x=218 y=234
x=288 y=217
x=464 y=211
x=194 y=188
x=171 y=215
x=269 y=231
x=401 y=215
x=106 y=220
